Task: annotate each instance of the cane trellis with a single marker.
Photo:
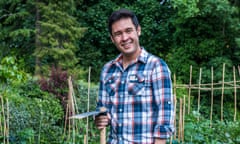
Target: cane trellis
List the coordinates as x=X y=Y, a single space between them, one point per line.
x=222 y=86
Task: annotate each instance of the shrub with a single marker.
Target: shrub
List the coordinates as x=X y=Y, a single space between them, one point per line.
x=200 y=131
x=57 y=84
x=35 y=116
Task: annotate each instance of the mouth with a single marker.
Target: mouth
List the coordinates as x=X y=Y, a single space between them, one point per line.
x=127 y=44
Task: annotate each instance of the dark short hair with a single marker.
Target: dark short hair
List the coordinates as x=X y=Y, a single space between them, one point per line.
x=119 y=14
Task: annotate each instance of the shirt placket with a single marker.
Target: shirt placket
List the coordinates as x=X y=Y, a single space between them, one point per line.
x=120 y=106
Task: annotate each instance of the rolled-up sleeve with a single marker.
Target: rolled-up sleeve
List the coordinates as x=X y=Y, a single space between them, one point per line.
x=164 y=99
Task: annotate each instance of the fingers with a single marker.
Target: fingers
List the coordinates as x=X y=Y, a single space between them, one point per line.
x=102 y=121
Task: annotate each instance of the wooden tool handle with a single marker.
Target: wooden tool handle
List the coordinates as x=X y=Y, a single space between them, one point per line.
x=103 y=136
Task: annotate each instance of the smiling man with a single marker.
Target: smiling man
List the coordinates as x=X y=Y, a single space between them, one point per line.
x=135 y=87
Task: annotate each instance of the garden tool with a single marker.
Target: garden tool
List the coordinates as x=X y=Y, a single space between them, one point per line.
x=99 y=111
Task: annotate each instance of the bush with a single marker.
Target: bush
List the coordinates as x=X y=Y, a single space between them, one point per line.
x=35 y=116
x=200 y=131
x=56 y=84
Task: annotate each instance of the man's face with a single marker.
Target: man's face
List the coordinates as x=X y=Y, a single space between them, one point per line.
x=126 y=37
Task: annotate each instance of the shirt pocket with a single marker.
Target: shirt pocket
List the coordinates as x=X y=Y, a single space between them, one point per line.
x=111 y=84
x=136 y=85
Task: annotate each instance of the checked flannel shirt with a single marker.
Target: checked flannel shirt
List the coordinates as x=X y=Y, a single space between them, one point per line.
x=139 y=100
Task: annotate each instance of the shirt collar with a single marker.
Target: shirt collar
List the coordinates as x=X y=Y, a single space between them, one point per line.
x=141 y=58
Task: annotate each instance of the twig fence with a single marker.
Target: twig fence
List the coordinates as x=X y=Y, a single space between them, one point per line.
x=222 y=86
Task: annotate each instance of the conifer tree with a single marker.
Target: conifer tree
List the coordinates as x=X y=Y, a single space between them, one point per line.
x=57 y=35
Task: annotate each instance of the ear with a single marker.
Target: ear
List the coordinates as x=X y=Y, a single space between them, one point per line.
x=111 y=38
x=139 y=30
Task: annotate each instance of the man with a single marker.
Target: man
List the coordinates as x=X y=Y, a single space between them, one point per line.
x=135 y=87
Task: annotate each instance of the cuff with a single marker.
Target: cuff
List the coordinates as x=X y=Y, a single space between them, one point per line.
x=163 y=132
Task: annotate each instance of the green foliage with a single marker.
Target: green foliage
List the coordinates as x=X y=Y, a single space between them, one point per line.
x=56 y=84
x=82 y=96
x=10 y=72
x=95 y=48
x=185 y=9
x=205 y=38
x=57 y=34
x=201 y=132
x=35 y=116
x=17 y=30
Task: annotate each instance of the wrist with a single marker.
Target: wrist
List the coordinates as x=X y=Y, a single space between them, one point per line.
x=160 y=141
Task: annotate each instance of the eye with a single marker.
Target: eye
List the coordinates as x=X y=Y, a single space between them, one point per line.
x=117 y=34
x=129 y=30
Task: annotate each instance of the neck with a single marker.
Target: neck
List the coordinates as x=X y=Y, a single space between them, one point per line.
x=128 y=59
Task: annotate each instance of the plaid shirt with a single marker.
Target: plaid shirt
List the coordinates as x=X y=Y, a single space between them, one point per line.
x=139 y=99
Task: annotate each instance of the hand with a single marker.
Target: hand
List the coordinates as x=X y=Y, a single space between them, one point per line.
x=160 y=141
x=102 y=121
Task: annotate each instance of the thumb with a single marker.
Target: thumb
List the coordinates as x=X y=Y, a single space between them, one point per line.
x=108 y=116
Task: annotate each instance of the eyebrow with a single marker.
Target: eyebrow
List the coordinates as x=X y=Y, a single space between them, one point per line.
x=125 y=30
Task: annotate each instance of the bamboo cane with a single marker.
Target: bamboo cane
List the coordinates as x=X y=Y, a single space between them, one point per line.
x=65 y=122
x=4 y=122
x=7 y=129
x=89 y=80
x=71 y=107
x=199 y=91
x=175 y=101
x=75 y=109
x=183 y=119
x=85 y=139
x=180 y=122
x=211 y=112
x=189 y=89
x=1 y=127
x=239 y=70
x=222 y=92
x=235 y=94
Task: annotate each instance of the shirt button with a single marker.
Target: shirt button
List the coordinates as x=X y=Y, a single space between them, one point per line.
x=120 y=124
x=120 y=110
x=122 y=82
x=169 y=102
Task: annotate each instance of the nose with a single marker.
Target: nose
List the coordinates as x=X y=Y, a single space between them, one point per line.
x=124 y=36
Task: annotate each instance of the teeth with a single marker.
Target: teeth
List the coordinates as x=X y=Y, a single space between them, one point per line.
x=124 y=44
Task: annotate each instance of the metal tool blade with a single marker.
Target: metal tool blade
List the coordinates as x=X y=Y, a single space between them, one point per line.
x=83 y=115
x=87 y=114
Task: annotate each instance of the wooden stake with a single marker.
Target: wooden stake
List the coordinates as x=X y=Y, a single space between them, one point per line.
x=199 y=91
x=89 y=80
x=175 y=101
x=71 y=108
x=189 y=90
x=1 y=127
x=222 y=92
x=65 y=122
x=239 y=70
x=85 y=139
x=7 y=129
x=211 y=112
x=70 y=97
x=183 y=119
x=4 y=121
x=235 y=95
x=180 y=122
